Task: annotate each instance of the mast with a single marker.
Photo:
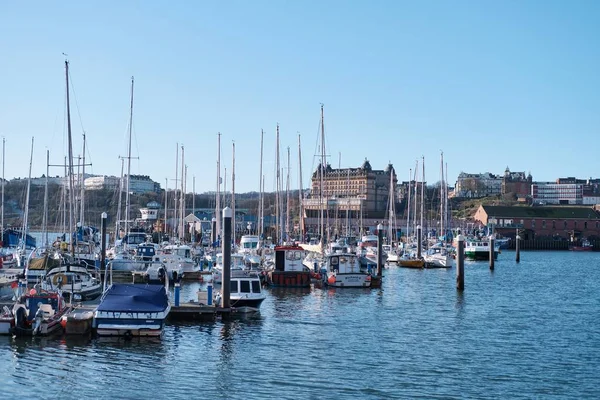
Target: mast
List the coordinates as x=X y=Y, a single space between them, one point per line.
x=120 y=199
x=260 y=191
x=82 y=194
x=416 y=198
x=446 y=201
x=337 y=200
x=348 y=203
x=442 y=226
x=182 y=197
x=45 y=215
x=166 y=203
x=287 y=193
x=300 y=206
x=129 y=162
x=70 y=150
x=408 y=206
x=422 y=194
x=26 y=214
x=64 y=200
x=175 y=194
x=233 y=194
x=391 y=207
x=218 y=199
x=322 y=179
x=277 y=183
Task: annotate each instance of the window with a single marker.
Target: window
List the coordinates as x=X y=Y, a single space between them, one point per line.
x=574 y=224
x=544 y=224
x=233 y=285
x=565 y=224
x=255 y=286
x=533 y=224
x=585 y=225
x=553 y=224
x=244 y=286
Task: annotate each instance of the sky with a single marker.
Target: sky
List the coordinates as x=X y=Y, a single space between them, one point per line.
x=491 y=84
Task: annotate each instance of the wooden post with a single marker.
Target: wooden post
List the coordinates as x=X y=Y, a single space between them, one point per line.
x=226 y=246
x=492 y=252
x=379 y=249
x=460 y=263
x=418 y=241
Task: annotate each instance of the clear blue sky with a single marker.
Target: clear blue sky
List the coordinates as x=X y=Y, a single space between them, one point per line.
x=491 y=84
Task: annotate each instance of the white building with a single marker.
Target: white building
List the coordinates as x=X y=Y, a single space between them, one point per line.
x=478 y=185
x=557 y=193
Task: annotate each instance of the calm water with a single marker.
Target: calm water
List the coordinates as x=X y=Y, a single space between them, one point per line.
x=528 y=330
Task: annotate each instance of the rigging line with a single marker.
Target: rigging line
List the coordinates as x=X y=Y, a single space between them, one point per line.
x=76 y=103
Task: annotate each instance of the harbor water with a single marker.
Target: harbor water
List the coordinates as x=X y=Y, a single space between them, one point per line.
x=528 y=330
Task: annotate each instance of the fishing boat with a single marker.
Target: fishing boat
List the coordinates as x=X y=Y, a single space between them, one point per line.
x=38 y=313
x=289 y=270
x=246 y=293
x=132 y=310
x=479 y=250
x=344 y=271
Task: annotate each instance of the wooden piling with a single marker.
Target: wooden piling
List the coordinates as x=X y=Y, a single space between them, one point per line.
x=460 y=263
x=103 y=242
x=492 y=252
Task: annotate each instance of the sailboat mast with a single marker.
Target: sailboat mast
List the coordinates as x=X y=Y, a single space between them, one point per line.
x=182 y=196
x=408 y=205
x=259 y=229
x=129 y=161
x=82 y=195
x=300 y=206
x=422 y=194
x=233 y=193
x=416 y=198
x=26 y=214
x=448 y=227
x=287 y=194
x=175 y=194
x=277 y=210
x=119 y=206
x=45 y=214
x=348 y=203
x=391 y=207
x=442 y=226
x=3 y=182
x=218 y=199
x=322 y=180
x=70 y=155
x=164 y=230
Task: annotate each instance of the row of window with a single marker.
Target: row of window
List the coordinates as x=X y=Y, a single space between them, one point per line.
x=575 y=225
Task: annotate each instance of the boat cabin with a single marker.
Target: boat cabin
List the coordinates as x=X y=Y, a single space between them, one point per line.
x=289 y=258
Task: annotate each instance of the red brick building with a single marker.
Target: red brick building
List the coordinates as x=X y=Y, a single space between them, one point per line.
x=542 y=222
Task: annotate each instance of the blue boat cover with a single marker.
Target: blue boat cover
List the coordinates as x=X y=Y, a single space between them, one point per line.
x=134 y=298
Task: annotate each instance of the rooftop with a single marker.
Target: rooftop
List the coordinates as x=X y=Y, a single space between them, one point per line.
x=548 y=212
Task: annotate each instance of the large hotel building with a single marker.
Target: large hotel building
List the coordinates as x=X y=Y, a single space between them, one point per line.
x=351 y=199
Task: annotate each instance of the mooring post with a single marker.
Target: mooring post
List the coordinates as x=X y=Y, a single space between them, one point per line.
x=492 y=252
x=379 y=250
x=177 y=292
x=103 y=242
x=460 y=263
x=226 y=246
x=418 y=241
x=209 y=294
x=518 y=247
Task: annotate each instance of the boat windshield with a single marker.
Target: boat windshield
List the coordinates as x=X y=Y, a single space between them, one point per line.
x=250 y=245
x=293 y=255
x=255 y=286
x=233 y=285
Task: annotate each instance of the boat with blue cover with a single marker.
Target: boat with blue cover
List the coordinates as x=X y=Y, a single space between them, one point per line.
x=132 y=310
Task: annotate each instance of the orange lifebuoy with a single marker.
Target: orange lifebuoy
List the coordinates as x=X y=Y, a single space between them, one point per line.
x=331 y=279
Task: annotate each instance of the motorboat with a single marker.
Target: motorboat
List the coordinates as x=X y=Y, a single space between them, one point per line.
x=438 y=257
x=344 y=270
x=132 y=310
x=246 y=294
x=289 y=269
x=74 y=281
x=38 y=312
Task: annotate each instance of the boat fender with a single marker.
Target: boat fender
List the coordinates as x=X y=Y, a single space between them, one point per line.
x=59 y=279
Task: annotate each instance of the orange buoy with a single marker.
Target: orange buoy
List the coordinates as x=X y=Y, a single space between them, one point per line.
x=331 y=279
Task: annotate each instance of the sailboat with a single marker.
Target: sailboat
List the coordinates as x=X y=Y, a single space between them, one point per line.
x=438 y=256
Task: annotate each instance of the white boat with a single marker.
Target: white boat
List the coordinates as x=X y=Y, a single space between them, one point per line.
x=237 y=264
x=391 y=253
x=479 y=249
x=246 y=293
x=73 y=280
x=179 y=255
x=343 y=270
x=438 y=257
x=132 y=310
